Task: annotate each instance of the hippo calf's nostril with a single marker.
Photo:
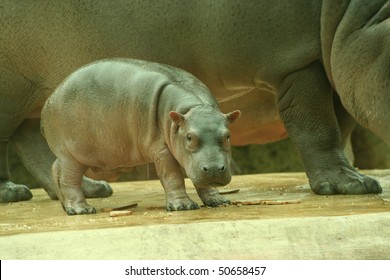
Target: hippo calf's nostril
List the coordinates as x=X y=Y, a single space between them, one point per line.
x=205 y=169
x=222 y=169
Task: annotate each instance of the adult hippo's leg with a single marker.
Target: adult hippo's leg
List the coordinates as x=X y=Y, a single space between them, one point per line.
x=10 y=192
x=346 y=124
x=305 y=105
x=36 y=156
x=13 y=101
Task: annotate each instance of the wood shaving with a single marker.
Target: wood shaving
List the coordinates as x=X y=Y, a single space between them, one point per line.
x=119 y=213
x=229 y=191
x=265 y=202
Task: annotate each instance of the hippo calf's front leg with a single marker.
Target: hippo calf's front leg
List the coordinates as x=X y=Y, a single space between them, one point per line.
x=177 y=199
x=172 y=180
x=176 y=196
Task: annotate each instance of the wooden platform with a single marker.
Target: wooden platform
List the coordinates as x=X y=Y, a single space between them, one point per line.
x=319 y=227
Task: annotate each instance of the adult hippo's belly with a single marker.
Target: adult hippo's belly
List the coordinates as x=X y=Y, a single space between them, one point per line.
x=300 y=51
x=260 y=122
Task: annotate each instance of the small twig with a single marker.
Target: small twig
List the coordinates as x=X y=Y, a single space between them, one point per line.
x=265 y=202
x=229 y=191
x=109 y=209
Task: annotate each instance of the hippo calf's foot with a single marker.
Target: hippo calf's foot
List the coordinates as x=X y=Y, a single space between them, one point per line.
x=78 y=209
x=211 y=197
x=181 y=204
x=10 y=192
x=94 y=189
x=343 y=180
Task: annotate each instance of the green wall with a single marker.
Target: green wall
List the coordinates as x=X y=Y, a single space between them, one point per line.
x=370 y=153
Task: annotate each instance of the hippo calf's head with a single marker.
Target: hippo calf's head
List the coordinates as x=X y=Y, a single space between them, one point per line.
x=201 y=144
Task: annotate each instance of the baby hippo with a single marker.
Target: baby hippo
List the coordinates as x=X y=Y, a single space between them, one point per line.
x=114 y=114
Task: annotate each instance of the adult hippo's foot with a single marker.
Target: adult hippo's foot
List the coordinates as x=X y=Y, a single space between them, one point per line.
x=94 y=189
x=211 y=197
x=10 y=192
x=91 y=189
x=343 y=180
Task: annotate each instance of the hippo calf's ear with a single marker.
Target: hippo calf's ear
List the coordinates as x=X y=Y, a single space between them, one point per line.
x=176 y=117
x=233 y=116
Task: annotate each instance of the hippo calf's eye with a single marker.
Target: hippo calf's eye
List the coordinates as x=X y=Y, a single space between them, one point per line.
x=226 y=141
x=192 y=142
x=227 y=138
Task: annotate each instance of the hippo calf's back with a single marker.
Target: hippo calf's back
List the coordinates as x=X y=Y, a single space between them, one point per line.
x=104 y=109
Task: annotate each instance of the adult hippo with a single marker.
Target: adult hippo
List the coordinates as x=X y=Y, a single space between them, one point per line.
x=304 y=52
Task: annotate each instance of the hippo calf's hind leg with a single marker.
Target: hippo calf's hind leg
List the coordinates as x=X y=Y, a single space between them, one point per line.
x=68 y=175
x=211 y=197
x=305 y=105
x=36 y=156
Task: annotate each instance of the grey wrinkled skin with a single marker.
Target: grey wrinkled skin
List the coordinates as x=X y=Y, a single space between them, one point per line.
x=314 y=68
x=114 y=114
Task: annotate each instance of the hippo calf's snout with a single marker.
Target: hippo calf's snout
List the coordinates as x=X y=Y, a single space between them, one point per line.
x=214 y=175
x=212 y=170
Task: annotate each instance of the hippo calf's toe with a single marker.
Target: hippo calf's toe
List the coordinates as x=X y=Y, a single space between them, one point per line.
x=114 y=114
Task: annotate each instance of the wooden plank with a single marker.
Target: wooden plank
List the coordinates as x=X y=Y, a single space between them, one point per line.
x=25 y=223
